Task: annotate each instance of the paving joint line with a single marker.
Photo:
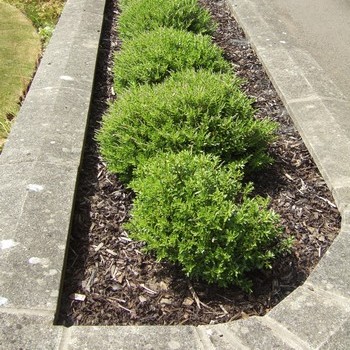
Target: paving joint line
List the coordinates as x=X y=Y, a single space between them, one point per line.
x=283 y=333
x=29 y=312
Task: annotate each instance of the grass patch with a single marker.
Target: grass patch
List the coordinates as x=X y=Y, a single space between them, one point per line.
x=20 y=47
x=19 y=51
x=44 y=14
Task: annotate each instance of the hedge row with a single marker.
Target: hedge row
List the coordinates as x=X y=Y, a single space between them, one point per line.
x=183 y=136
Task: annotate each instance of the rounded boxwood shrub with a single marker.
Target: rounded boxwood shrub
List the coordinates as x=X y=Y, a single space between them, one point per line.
x=145 y=15
x=152 y=56
x=201 y=111
x=191 y=211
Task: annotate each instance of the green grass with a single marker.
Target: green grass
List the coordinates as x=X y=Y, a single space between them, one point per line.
x=19 y=51
x=44 y=14
x=25 y=25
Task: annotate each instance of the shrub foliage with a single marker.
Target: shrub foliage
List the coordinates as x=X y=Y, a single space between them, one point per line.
x=192 y=211
x=183 y=132
x=145 y=15
x=152 y=56
x=201 y=111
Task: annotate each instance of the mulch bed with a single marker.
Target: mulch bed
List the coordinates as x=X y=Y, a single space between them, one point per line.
x=110 y=281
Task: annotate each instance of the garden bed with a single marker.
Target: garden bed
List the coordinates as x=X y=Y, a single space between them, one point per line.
x=110 y=280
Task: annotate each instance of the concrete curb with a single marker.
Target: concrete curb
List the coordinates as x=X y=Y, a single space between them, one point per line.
x=39 y=168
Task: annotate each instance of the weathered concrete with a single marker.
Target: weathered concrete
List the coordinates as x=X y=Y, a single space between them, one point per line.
x=340 y=340
x=252 y=333
x=316 y=100
x=28 y=331
x=50 y=127
x=134 y=338
x=332 y=273
x=30 y=272
x=312 y=314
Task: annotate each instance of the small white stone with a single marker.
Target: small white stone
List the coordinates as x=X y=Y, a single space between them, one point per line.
x=244 y=330
x=34 y=260
x=35 y=188
x=51 y=272
x=210 y=332
x=42 y=261
x=282 y=42
x=174 y=345
x=7 y=244
x=66 y=77
x=3 y=301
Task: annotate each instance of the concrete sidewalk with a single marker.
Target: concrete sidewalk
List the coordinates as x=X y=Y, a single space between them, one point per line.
x=38 y=172
x=320 y=28
x=311 y=71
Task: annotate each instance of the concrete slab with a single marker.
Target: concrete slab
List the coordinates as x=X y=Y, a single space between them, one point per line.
x=134 y=338
x=51 y=124
x=332 y=273
x=49 y=128
x=319 y=27
x=340 y=340
x=327 y=141
x=316 y=100
x=26 y=331
x=12 y=195
x=82 y=7
x=30 y=268
x=252 y=333
x=77 y=48
x=295 y=74
x=312 y=314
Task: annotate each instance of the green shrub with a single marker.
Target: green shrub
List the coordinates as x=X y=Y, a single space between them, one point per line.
x=201 y=111
x=190 y=210
x=145 y=15
x=152 y=56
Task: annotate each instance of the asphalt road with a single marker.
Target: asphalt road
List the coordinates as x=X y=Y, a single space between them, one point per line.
x=321 y=27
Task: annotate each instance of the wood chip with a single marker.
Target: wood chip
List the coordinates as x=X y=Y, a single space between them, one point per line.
x=188 y=302
x=111 y=252
x=195 y=296
x=78 y=297
x=150 y=291
x=97 y=248
x=142 y=299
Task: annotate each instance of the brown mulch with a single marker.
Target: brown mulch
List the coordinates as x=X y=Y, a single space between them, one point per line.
x=109 y=280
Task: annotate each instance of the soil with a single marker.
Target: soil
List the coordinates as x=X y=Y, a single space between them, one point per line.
x=110 y=281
